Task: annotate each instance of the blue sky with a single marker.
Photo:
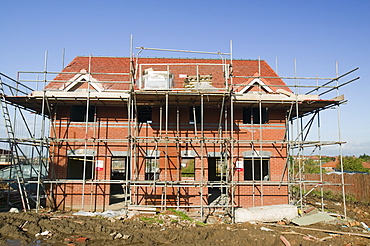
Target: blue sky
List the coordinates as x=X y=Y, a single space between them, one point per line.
x=315 y=33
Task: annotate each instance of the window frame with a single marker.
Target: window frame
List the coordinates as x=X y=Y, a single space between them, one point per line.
x=122 y=172
x=152 y=171
x=248 y=169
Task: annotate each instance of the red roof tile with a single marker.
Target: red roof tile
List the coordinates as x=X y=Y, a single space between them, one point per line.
x=122 y=65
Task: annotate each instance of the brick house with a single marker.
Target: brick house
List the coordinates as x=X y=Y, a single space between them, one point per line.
x=169 y=132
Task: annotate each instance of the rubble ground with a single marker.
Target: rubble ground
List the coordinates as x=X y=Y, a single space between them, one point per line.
x=174 y=227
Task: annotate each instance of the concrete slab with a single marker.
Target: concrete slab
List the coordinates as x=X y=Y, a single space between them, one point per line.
x=312 y=219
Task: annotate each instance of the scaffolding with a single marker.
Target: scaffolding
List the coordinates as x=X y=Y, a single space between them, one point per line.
x=300 y=119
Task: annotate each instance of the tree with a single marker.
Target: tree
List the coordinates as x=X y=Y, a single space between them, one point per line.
x=311 y=166
x=351 y=163
x=327 y=159
x=365 y=157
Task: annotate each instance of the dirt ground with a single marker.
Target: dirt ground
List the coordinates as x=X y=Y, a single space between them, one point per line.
x=176 y=228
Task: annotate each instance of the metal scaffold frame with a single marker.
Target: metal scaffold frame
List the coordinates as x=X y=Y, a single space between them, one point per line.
x=295 y=140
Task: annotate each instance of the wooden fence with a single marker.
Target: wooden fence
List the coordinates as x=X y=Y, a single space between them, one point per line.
x=356 y=185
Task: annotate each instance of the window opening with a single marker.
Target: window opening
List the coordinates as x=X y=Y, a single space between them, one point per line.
x=151 y=168
x=256 y=163
x=252 y=115
x=197 y=112
x=75 y=167
x=144 y=114
x=188 y=167
x=78 y=113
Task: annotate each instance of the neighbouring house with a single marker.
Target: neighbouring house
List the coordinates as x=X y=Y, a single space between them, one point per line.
x=331 y=166
x=366 y=165
x=168 y=132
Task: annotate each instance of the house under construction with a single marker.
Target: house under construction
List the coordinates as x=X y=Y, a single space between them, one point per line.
x=166 y=132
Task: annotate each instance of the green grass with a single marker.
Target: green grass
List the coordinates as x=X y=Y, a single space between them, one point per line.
x=181 y=215
x=328 y=194
x=151 y=220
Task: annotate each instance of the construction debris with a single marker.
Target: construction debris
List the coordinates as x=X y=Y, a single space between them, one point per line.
x=108 y=213
x=285 y=241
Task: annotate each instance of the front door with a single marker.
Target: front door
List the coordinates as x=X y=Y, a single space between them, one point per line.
x=120 y=170
x=216 y=172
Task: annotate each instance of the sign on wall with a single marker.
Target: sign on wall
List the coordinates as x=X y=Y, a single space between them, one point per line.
x=99 y=165
x=239 y=166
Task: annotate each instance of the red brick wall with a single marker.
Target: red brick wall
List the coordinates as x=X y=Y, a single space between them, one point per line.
x=112 y=123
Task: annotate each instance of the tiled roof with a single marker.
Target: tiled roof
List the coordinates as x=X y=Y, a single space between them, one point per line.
x=315 y=158
x=332 y=164
x=122 y=65
x=366 y=164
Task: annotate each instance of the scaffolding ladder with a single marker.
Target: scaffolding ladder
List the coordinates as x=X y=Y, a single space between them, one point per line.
x=15 y=161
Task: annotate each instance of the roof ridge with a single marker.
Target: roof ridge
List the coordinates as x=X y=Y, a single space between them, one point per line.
x=155 y=57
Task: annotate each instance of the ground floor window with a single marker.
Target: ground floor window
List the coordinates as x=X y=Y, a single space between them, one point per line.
x=151 y=168
x=75 y=169
x=252 y=169
x=188 y=167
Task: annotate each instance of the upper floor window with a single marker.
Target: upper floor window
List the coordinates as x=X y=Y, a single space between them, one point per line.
x=144 y=114
x=194 y=115
x=79 y=113
x=255 y=115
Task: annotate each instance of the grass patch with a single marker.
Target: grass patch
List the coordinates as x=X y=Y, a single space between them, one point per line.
x=181 y=215
x=328 y=194
x=151 y=220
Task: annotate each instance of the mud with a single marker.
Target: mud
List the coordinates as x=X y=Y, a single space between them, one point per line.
x=172 y=229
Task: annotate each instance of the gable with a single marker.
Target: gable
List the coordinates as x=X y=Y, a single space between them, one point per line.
x=79 y=81
x=256 y=83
